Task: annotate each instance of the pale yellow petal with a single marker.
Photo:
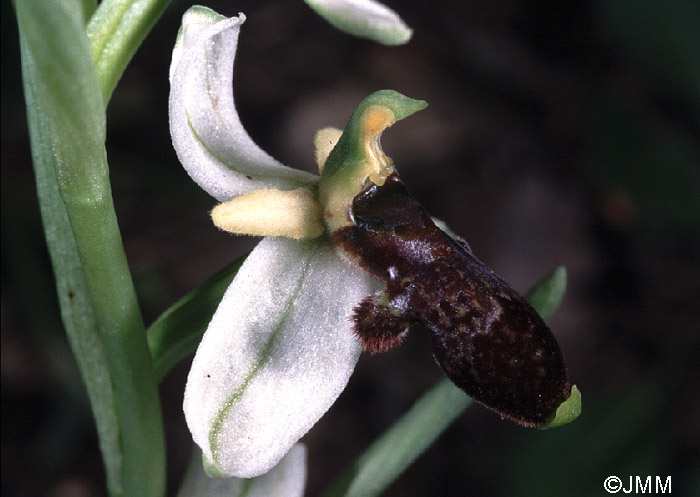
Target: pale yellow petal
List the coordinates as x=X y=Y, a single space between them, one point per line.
x=294 y=214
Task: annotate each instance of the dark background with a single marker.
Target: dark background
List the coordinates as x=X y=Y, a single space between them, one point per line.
x=558 y=132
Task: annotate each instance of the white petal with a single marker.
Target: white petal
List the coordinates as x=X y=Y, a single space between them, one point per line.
x=277 y=353
x=292 y=213
x=364 y=18
x=287 y=479
x=207 y=133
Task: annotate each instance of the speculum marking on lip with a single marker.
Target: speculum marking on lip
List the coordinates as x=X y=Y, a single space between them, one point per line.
x=487 y=339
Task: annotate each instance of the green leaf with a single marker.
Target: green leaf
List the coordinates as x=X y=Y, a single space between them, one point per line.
x=177 y=332
x=411 y=435
x=545 y=296
x=76 y=308
x=115 y=31
x=399 y=446
x=67 y=120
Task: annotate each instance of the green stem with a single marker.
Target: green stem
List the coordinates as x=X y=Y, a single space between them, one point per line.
x=115 y=31
x=66 y=112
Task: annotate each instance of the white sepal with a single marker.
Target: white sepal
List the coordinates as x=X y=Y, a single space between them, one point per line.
x=206 y=131
x=364 y=18
x=287 y=479
x=277 y=353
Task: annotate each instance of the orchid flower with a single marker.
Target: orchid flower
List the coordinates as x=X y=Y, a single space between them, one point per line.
x=280 y=348
x=346 y=261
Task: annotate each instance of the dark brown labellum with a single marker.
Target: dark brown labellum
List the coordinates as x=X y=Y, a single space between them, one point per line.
x=487 y=339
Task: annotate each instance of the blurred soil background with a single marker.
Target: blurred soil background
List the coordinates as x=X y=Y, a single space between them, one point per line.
x=558 y=133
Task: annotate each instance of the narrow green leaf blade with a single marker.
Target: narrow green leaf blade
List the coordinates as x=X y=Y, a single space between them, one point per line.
x=67 y=105
x=76 y=307
x=546 y=295
x=116 y=31
x=399 y=446
x=177 y=332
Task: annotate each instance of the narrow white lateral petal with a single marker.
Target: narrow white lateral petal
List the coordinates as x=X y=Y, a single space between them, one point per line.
x=277 y=353
x=291 y=213
x=364 y=18
x=207 y=133
x=287 y=479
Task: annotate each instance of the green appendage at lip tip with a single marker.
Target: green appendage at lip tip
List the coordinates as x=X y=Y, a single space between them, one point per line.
x=567 y=411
